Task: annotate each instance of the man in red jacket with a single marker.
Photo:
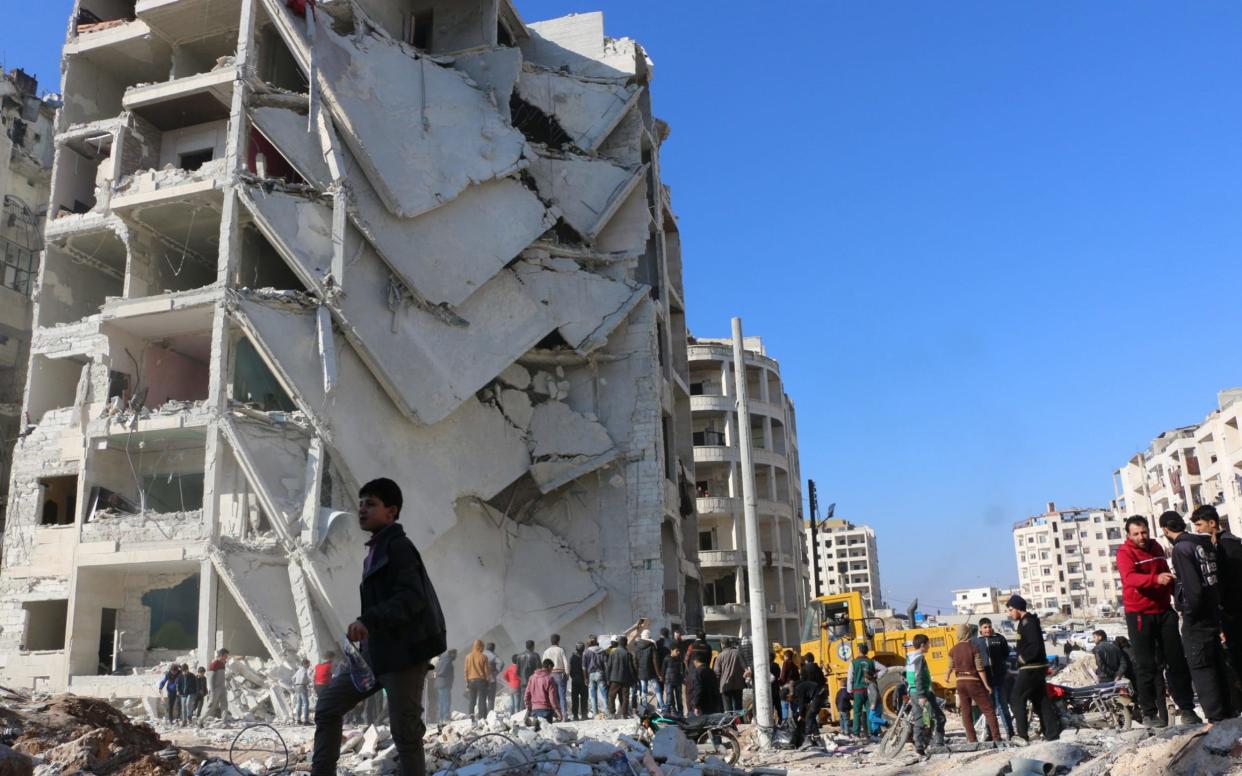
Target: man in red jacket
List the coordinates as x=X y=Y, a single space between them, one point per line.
x=1147 y=587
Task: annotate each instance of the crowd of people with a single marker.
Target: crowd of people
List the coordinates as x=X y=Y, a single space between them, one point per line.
x=671 y=672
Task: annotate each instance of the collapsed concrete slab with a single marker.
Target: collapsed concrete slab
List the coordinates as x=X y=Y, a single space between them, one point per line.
x=438 y=133
x=436 y=252
x=586 y=110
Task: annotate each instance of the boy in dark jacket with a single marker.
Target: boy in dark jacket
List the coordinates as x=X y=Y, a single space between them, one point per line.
x=705 y=696
x=400 y=629
x=674 y=674
x=1197 y=594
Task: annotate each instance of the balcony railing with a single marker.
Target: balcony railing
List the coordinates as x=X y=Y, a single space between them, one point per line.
x=721 y=558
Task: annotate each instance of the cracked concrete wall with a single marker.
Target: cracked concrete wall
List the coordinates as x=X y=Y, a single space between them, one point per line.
x=468 y=314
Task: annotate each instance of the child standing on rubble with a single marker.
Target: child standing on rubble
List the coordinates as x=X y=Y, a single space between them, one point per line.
x=400 y=629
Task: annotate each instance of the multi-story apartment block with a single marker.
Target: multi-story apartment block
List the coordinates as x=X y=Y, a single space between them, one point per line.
x=849 y=559
x=1067 y=560
x=1189 y=467
x=722 y=543
x=26 y=137
x=293 y=246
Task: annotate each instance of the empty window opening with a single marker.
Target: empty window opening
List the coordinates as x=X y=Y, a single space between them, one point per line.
x=503 y=37
x=537 y=126
x=421 y=27
x=93 y=265
x=553 y=341
x=152 y=374
x=96 y=15
x=83 y=169
x=46 y=623
x=193 y=160
x=266 y=161
x=53 y=385
x=254 y=384
x=721 y=591
x=60 y=496
x=174 y=615
x=176 y=248
x=106 y=76
x=261 y=266
x=146 y=476
x=276 y=64
x=204 y=55
x=107 y=641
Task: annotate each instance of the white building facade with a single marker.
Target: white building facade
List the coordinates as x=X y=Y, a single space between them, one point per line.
x=1188 y=467
x=718 y=484
x=849 y=560
x=977 y=600
x=1067 y=560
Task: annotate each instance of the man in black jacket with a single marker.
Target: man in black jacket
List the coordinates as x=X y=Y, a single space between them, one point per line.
x=1111 y=663
x=705 y=697
x=527 y=663
x=1031 y=685
x=622 y=675
x=400 y=629
x=1229 y=565
x=1196 y=592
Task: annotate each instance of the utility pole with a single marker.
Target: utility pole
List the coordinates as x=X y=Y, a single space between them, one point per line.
x=754 y=570
x=814 y=499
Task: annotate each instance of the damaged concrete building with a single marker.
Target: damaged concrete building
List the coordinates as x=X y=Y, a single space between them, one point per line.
x=299 y=245
x=25 y=170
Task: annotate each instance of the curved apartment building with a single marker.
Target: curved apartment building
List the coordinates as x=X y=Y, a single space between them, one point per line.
x=718 y=484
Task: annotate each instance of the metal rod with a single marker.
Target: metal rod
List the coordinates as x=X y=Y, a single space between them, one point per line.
x=754 y=569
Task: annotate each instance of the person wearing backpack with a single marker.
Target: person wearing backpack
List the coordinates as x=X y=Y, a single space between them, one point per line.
x=1196 y=591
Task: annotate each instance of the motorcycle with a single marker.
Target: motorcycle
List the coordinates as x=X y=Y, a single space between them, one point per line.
x=1107 y=706
x=715 y=735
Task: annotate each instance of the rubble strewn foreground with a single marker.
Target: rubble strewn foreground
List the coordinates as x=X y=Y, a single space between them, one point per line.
x=71 y=734
x=68 y=734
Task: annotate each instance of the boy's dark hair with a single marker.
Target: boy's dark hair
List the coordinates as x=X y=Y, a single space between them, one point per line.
x=1135 y=520
x=1172 y=521
x=664 y=632
x=384 y=489
x=548 y=664
x=701 y=635
x=862 y=649
x=985 y=621
x=808 y=658
x=919 y=640
x=491 y=646
x=530 y=645
x=622 y=641
x=1101 y=634
x=1204 y=513
x=555 y=638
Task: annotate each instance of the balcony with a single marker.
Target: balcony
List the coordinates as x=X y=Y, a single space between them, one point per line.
x=716 y=505
x=769 y=458
x=715 y=454
x=726 y=612
x=710 y=403
x=722 y=558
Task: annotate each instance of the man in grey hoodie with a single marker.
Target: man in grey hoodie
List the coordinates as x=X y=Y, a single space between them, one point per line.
x=595 y=665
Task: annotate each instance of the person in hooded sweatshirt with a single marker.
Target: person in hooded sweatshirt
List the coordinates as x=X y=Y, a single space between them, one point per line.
x=595 y=665
x=478 y=674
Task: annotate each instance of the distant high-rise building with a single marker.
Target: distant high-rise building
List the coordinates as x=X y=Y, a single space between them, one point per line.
x=1067 y=560
x=849 y=559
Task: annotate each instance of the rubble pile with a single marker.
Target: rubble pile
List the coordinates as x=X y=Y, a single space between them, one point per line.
x=258 y=690
x=1079 y=673
x=71 y=734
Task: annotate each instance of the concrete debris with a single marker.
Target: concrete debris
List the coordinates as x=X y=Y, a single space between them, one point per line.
x=443 y=263
x=69 y=734
x=446 y=135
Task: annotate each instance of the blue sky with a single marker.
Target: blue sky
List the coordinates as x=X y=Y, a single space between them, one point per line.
x=995 y=246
